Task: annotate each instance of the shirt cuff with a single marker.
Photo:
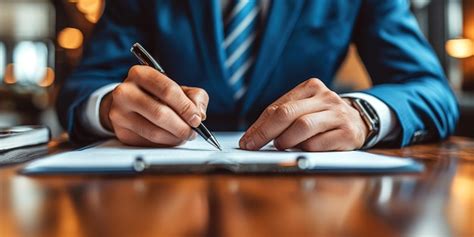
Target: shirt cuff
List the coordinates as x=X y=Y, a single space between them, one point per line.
x=90 y=118
x=388 y=121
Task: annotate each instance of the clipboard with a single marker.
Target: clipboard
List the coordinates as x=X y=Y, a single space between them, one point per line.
x=112 y=157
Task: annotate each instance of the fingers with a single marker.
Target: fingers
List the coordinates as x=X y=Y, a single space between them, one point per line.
x=306 y=111
x=168 y=91
x=306 y=127
x=303 y=99
x=154 y=111
x=306 y=89
x=149 y=108
x=328 y=141
x=128 y=137
x=145 y=129
x=199 y=97
x=276 y=118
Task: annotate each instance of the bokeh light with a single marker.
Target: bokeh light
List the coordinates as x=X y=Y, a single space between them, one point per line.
x=9 y=76
x=92 y=9
x=3 y=60
x=48 y=78
x=70 y=38
x=460 y=48
x=30 y=60
x=93 y=17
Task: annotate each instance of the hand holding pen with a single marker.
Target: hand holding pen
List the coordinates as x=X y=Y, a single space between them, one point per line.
x=150 y=109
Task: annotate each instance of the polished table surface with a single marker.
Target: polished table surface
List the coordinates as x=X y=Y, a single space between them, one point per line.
x=437 y=202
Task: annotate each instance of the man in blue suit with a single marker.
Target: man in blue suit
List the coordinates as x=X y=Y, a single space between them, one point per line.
x=249 y=63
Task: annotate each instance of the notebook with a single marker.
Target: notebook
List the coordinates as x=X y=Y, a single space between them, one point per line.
x=23 y=136
x=199 y=157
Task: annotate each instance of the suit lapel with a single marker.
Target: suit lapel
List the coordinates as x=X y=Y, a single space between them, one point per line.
x=206 y=18
x=280 y=23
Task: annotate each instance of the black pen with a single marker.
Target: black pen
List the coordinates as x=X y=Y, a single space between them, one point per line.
x=145 y=58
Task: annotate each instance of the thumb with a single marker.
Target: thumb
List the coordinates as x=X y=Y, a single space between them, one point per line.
x=199 y=97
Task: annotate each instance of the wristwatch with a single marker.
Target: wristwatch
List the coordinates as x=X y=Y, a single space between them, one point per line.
x=370 y=118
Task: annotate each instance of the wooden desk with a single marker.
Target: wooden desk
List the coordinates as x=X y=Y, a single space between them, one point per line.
x=438 y=202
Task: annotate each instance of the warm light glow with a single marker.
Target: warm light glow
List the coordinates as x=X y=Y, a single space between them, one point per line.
x=70 y=38
x=92 y=9
x=93 y=17
x=48 y=79
x=460 y=207
x=460 y=48
x=9 y=77
x=463 y=189
x=88 y=6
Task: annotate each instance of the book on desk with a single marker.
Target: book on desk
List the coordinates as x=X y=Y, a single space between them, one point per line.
x=23 y=143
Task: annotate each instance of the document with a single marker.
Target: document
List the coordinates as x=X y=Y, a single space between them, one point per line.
x=199 y=156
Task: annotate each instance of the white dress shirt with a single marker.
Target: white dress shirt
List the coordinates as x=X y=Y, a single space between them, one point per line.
x=389 y=127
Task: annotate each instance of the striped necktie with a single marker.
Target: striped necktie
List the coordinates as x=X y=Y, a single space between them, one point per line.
x=240 y=30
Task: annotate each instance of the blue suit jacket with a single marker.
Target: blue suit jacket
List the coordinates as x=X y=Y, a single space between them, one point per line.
x=301 y=39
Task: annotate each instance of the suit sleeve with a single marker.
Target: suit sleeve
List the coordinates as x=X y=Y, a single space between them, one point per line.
x=106 y=59
x=405 y=71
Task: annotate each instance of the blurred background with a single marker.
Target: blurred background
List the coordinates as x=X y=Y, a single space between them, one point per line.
x=41 y=41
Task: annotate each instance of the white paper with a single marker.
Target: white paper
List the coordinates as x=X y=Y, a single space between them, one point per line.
x=112 y=155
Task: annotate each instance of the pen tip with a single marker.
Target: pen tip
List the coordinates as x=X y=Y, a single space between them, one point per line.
x=218 y=146
x=215 y=143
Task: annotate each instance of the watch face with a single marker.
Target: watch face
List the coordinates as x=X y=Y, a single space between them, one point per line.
x=371 y=114
x=370 y=117
x=372 y=111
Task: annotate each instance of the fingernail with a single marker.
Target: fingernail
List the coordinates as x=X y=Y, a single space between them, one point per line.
x=250 y=145
x=242 y=143
x=195 y=120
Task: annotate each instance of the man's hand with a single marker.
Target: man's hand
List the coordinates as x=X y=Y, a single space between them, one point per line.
x=149 y=109
x=310 y=117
